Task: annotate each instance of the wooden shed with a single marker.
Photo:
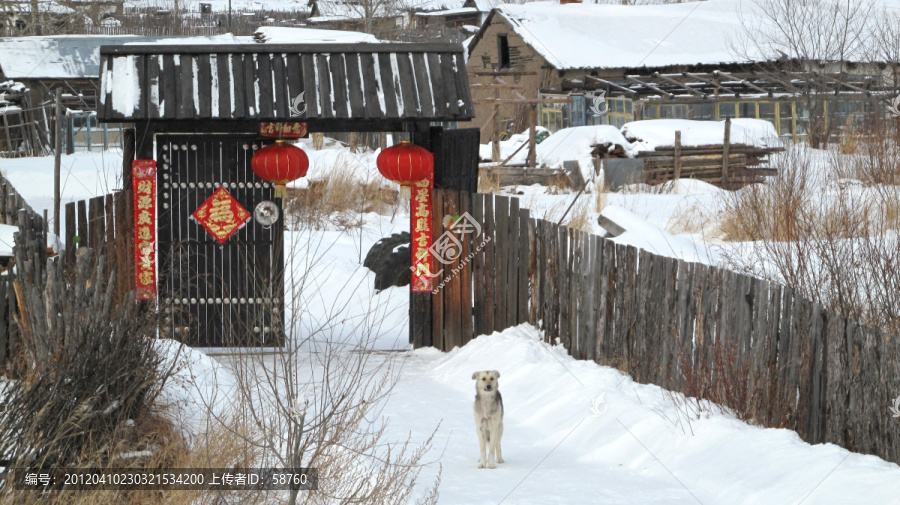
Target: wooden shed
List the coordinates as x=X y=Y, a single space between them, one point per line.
x=197 y=111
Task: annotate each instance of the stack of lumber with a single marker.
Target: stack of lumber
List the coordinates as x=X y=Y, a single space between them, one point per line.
x=746 y=164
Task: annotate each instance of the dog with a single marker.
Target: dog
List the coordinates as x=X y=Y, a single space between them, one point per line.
x=488 y=417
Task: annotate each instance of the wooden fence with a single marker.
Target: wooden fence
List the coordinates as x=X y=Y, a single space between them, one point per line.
x=103 y=223
x=99 y=223
x=688 y=327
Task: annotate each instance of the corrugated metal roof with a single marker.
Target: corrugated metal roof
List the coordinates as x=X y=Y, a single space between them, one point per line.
x=336 y=81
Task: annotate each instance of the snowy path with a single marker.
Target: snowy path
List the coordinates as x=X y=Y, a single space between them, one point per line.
x=540 y=467
x=630 y=447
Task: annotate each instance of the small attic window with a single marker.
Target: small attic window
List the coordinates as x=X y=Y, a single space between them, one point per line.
x=503 y=50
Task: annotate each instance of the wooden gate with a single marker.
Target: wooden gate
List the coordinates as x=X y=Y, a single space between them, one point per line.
x=217 y=295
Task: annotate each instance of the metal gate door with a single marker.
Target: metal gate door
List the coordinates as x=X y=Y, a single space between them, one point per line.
x=217 y=295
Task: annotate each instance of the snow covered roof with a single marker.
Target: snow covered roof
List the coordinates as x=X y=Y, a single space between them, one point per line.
x=222 y=5
x=58 y=57
x=448 y=12
x=628 y=36
x=424 y=82
x=284 y=35
x=649 y=134
x=77 y=56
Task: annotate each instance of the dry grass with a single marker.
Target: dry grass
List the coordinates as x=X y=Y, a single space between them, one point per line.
x=601 y=195
x=339 y=200
x=688 y=217
x=489 y=181
x=579 y=217
x=830 y=236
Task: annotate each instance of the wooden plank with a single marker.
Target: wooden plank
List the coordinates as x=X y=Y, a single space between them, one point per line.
x=280 y=80
x=575 y=291
x=462 y=90
x=236 y=78
x=71 y=232
x=437 y=300
x=533 y=282
x=389 y=90
x=123 y=231
x=4 y=323
x=453 y=288
x=224 y=84
x=295 y=82
x=407 y=86
x=501 y=265
x=525 y=252
x=437 y=93
x=355 y=86
x=480 y=301
x=250 y=73
x=339 y=85
x=371 y=85
x=561 y=255
x=204 y=86
x=156 y=87
x=512 y=259
x=83 y=224
x=423 y=85
x=311 y=93
x=110 y=239
x=97 y=224
x=326 y=105
x=467 y=324
x=185 y=86
x=490 y=265
x=450 y=107
x=266 y=92
x=169 y=88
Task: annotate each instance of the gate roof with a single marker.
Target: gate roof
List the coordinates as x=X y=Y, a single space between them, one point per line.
x=283 y=82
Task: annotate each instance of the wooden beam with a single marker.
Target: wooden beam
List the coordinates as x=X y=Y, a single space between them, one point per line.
x=680 y=84
x=512 y=73
x=678 y=155
x=520 y=101
x=532 y=144
x=650 y=86
x=745 y=82
x=725 y=145
x=429 y=47
x=611 y=84
x=708 y=81
x=493 y=86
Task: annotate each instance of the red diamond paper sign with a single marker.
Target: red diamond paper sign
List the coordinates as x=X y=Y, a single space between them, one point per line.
x=221 y=215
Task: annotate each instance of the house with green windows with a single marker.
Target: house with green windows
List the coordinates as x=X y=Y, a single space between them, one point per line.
x=586 y=64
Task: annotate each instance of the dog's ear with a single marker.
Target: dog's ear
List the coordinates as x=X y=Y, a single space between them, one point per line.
x=474 y=375
x=496 y=374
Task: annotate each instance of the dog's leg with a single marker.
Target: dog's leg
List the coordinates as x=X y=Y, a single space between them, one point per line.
x=492 y=450
x=499 y=437
x=483 y=443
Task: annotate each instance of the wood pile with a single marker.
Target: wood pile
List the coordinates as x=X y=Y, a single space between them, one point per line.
x=745 y=164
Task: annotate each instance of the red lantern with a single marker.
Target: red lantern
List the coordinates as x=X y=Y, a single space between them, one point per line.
x=280 y=163
x=406 y=164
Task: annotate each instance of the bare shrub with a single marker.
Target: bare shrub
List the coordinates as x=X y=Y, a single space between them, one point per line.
x=87 y=379
x=832 y=239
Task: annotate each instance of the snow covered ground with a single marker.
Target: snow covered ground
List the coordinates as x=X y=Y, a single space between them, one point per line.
x=575 y=432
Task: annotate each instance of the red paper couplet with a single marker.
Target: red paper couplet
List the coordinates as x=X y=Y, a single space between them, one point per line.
x=420 y=231
x=143 y=184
